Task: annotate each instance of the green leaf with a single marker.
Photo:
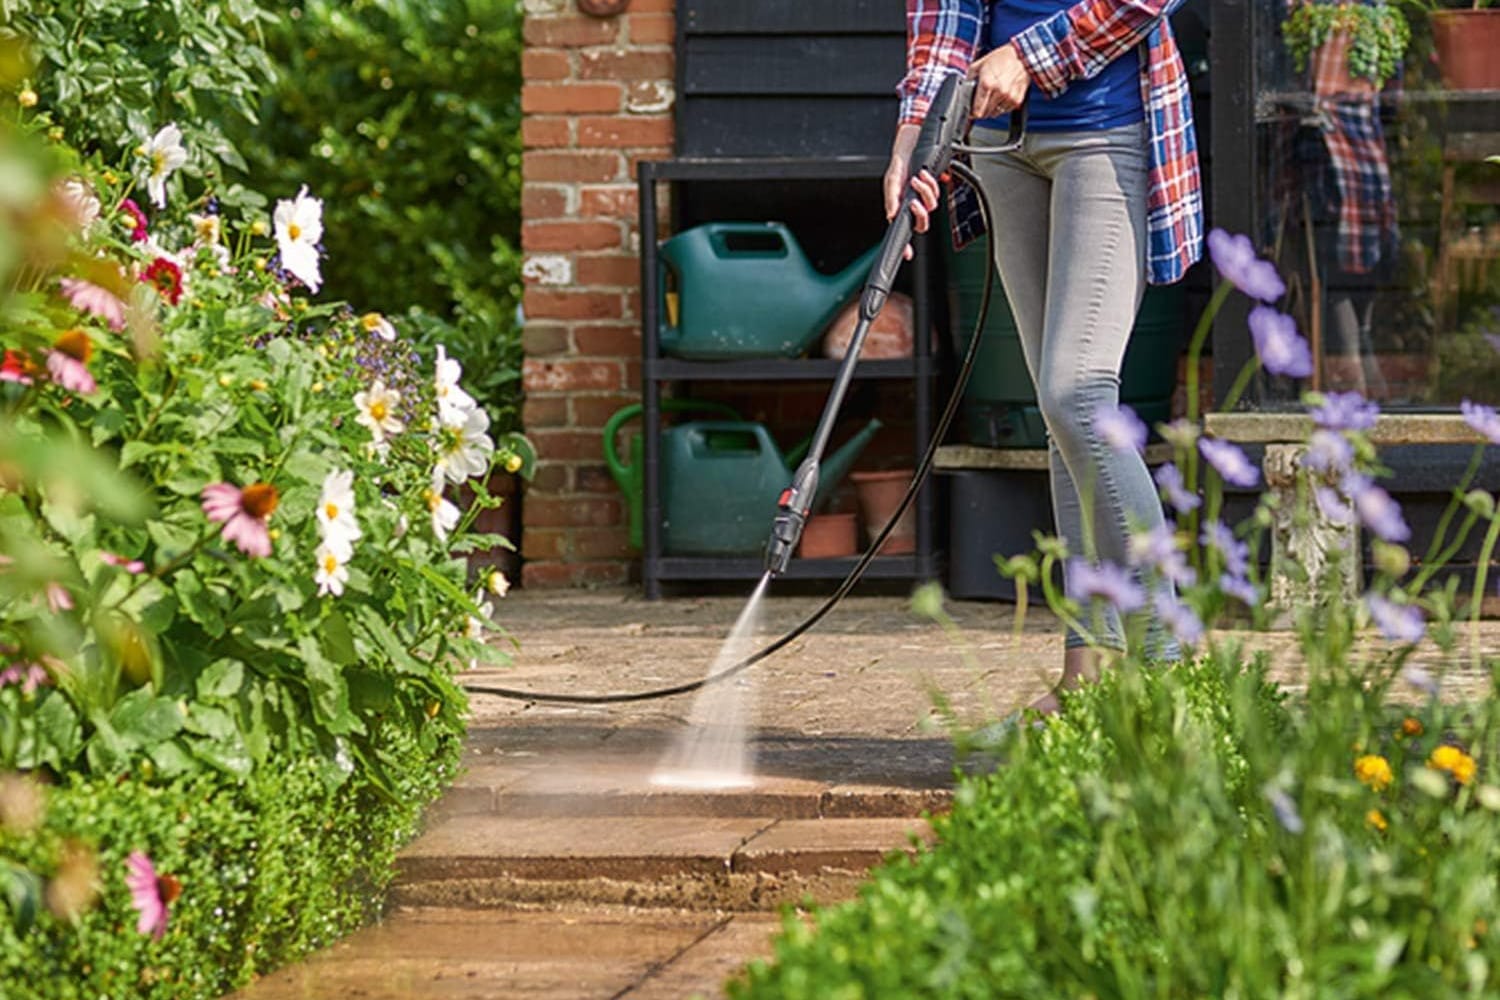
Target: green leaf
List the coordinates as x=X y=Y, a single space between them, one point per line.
x=58 y=730
x=210 y=721
x=143 y=719
x=388 y=641
x=230 y=755
x=171 y=759
x=330 y=695
x=198 y=602
x=222 y=679
x=23 y=894
x=338 y=639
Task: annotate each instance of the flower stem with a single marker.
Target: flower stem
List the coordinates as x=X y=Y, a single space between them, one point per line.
x=1480 y=575
x=1195 y=346
x=1240 y=384
x=1453 y=505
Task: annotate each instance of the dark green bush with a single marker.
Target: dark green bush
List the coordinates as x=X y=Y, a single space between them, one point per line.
x=405 y=115
x=271 y=869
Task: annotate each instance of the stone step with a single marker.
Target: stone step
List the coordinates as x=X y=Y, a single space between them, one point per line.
x=693 y=862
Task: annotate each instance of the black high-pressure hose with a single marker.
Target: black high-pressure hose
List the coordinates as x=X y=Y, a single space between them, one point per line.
x=924 y=468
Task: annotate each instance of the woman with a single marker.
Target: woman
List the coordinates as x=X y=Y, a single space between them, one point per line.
x=1102 y=198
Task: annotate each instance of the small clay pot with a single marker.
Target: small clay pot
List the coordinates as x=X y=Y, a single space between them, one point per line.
x=890 y=335
x=879 y=494
x=829 y=536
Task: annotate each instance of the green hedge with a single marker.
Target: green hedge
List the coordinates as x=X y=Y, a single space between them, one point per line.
x=270 y=868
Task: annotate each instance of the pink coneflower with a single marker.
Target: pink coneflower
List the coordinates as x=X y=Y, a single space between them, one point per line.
x=16 y=367
x=131 y=566
x=138 y=232
x=58 y=598
x=166 y=277
x=244 y=513
x=29 y=675
x=95 y=300
x=68 y=360
x=150 y=894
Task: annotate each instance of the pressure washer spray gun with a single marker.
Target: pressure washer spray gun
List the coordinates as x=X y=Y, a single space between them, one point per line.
x=943 y=135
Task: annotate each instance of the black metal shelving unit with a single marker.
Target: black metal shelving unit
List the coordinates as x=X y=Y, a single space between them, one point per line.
x=657 y=371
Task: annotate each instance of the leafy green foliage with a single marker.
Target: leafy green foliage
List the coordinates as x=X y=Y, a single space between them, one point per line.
x=406 y=115
x=1378 y=35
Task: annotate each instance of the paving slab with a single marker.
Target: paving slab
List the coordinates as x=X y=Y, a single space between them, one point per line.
x=704 y=968
x=477 y=955
x=809 y=846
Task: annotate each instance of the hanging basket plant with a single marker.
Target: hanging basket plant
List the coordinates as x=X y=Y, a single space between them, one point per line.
x=1377 y=36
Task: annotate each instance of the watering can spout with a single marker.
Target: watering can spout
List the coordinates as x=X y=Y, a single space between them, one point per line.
x=837 y=465
x=847 y=281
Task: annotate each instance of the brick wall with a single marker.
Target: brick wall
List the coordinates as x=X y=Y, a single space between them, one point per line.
x=597 y=97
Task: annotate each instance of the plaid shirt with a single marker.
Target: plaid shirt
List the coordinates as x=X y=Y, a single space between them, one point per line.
x=945 y=36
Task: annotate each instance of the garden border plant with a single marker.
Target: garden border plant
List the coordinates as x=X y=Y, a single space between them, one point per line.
x=1189 y=830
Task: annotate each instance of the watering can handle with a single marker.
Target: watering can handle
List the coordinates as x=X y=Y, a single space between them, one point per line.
x=617 y=466
x=762 y=437
x=719 y=233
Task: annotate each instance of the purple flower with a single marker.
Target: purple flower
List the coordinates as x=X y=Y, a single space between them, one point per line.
x=1345 y=411
x=1107 y=581
x=1169 y=478
x=146 y=895
x=1234 y=256
x=1157 y=549
x=29 y=676
x=1376 y=510
x=1236 y=552
x=1121 y=429
x=1483 y=419
x=1419 y=679
x=1229 y=461
x=1285 y=808
x=1398 y=622
x=1180 y=618
x=1282 y=350
x=1239 y=588
x=1332 y=506
x=1328 y=452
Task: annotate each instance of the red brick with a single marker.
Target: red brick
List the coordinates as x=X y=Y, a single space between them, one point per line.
x=595 y=411
x=617 y=270
x=538 y=202
x=569 y=375
x=547 y=303
x=653 y=6
x=619 y=132
x=588 y=168
x=615 y=201
x=569 y=32
x=625 y=64
x=572 y=512
x=540 y=64
x=564 y=98
x=568 y=445
x=610 y=340
x=598 y=543
x=540 y=339
x=652 y=29
x=541 y=543
x=551 y=477
x=649 y=97
x=546 y=133
x=550 y=575
x=597 y=478
x=570 y=236
x=544 y=411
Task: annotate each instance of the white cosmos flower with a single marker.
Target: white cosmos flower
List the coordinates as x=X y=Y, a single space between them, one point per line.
x=377 y=324
x=444 y=514
x=474 y=628
x=498 y=584
x=208 y=227
x=299 y=227
x=81 y=202
x=453 y=403
x=333 y=571
x=163 y=153
x=336 y=511
x=377 y=411
x=465 y=449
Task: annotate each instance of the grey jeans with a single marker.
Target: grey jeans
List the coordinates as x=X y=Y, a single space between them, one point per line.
x=1070 y=245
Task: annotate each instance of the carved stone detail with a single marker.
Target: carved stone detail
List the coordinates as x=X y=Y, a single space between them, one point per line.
x=1308 y=551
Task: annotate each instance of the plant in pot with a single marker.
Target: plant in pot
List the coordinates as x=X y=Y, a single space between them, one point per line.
x=1466 y=35
x=1351 y=47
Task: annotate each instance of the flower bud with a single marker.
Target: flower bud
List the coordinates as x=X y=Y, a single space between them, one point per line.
x=27 y=98
x=259 y=228
x=1481 y=503
x=225 y=381
x=927 y=601
x=513 y=462
x=1392 y=560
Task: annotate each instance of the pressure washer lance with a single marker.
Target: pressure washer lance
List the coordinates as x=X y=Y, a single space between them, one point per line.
x=942 y=135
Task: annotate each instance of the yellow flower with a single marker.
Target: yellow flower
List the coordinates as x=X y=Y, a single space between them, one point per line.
x=1411 y=726
x=513 y=463
x=1373 y=770
x=27 y=98
x=1376 y=819
x=1454 y=761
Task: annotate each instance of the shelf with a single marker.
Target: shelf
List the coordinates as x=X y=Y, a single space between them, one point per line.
x=751 y=168
x=778 y=369
x=904 y=567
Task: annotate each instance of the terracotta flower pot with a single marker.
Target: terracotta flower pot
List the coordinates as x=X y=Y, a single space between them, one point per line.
x=879 y=494
x=1468 y=48
x=890 y=335
x=828 y=536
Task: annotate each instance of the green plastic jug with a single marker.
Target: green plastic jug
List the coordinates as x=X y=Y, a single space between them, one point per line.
x=747 y=290
x=628 y=475
x=721 y=480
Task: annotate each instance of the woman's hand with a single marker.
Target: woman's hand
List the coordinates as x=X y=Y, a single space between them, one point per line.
x=1002 y=82
x=896 y=183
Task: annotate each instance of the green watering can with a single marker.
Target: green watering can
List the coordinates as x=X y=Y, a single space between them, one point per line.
x=721 y=479
x=746 y=290
x=629 y=475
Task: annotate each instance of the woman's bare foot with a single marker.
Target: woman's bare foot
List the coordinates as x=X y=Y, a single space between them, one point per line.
x=1080 y=665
